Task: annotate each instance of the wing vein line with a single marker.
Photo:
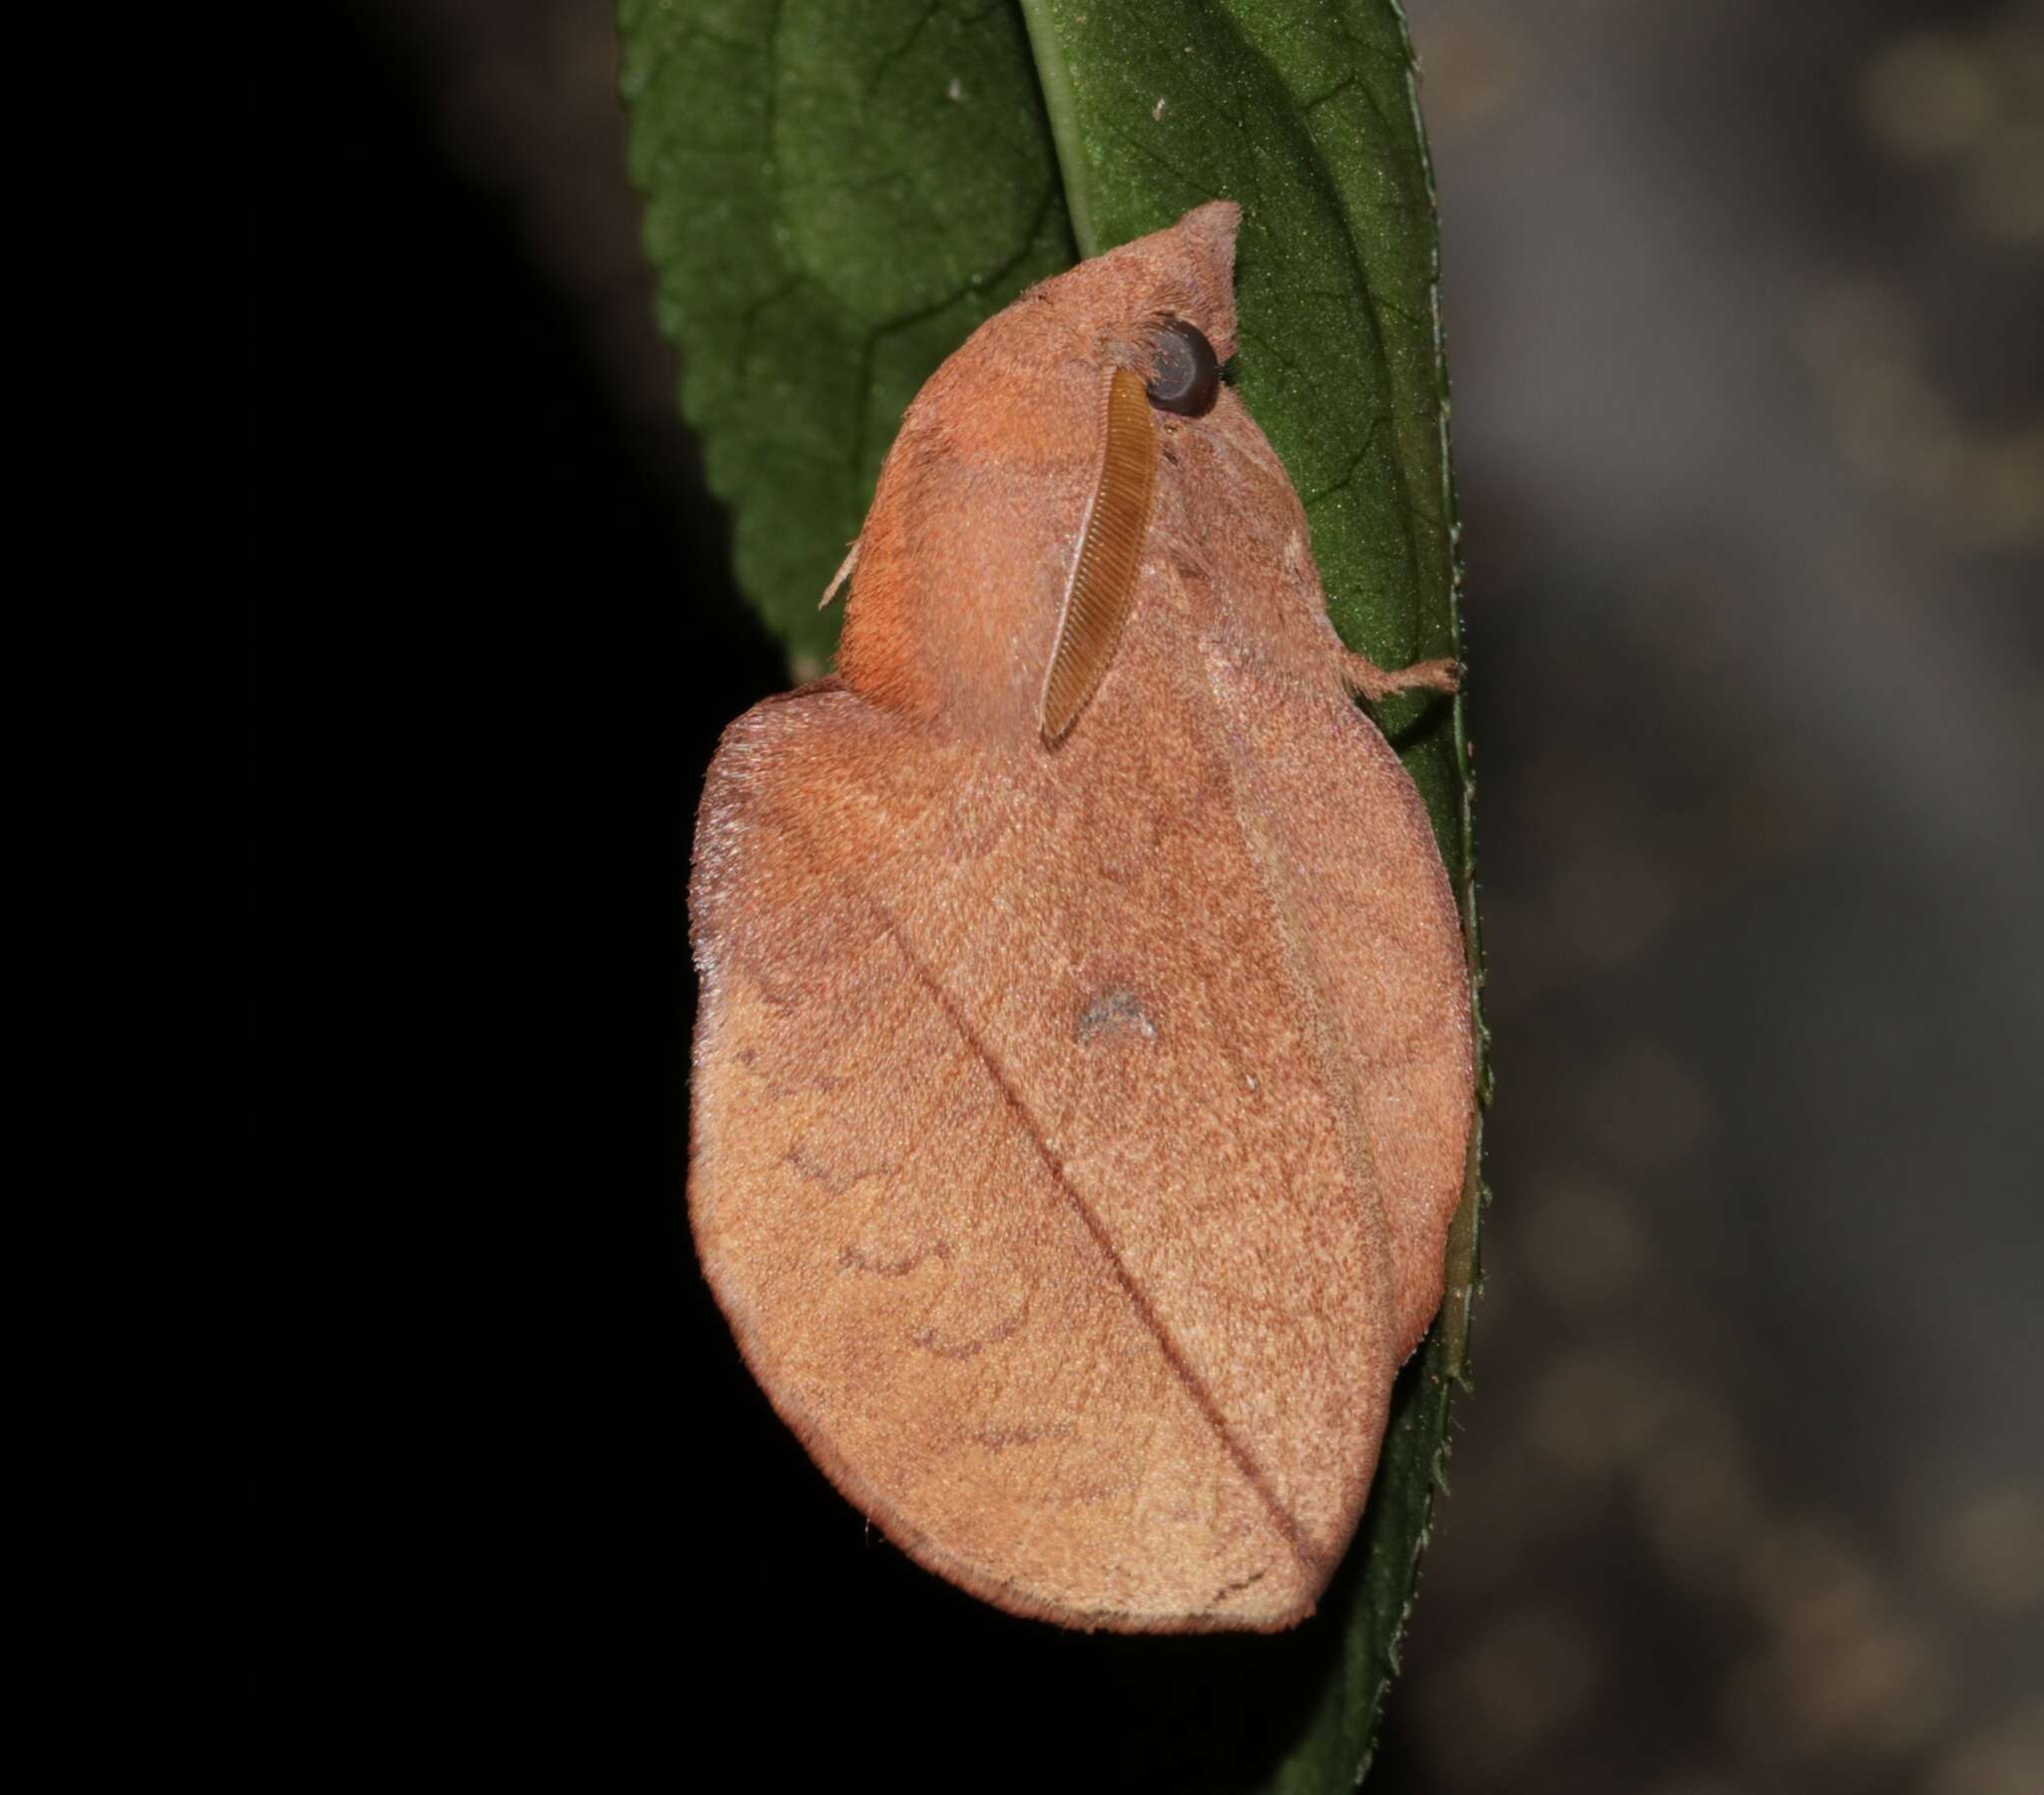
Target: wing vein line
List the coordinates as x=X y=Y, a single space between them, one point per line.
x=1309 y=1555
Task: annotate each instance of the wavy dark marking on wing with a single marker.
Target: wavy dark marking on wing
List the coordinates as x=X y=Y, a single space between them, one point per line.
x=853 y=1259
x=1229 y=1591
x=805 y=1166
x=999 y=1439
x=943 y=1346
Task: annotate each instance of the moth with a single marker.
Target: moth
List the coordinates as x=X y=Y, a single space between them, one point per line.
x=1083 y=1072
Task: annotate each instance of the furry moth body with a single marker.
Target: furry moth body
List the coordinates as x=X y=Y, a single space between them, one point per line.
x=1083 y=1071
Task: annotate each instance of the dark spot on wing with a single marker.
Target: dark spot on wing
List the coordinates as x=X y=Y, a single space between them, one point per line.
x=1116 y=1010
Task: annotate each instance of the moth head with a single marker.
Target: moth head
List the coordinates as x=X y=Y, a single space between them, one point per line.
x=1003 y=553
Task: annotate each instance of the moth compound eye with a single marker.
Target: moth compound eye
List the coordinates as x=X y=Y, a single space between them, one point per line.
x=1188 y=372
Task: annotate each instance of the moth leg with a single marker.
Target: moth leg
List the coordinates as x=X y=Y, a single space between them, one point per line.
x=1365 y=680
x=838 y=578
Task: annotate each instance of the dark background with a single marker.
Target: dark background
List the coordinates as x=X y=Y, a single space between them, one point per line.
x=1750 y=430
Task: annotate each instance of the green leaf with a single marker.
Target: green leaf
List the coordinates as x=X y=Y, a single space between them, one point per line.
x=840 y=192
x=836 y=196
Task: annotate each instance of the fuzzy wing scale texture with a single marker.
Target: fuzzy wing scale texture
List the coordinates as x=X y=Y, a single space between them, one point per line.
x=1029 y=1166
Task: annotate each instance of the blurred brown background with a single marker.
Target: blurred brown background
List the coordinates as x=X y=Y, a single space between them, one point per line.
x=1743 y=302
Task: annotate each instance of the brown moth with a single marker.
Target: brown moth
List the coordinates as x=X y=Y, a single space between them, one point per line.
x=1083 y=1072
